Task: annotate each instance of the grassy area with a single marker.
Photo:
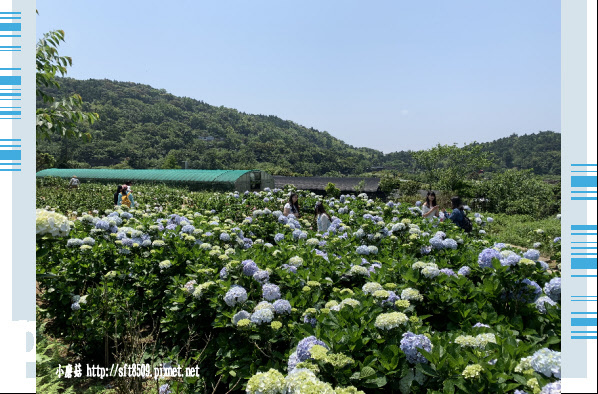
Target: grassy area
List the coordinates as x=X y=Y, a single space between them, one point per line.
x=522 y=230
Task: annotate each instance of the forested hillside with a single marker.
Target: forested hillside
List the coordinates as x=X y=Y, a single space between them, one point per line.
x=143 y=127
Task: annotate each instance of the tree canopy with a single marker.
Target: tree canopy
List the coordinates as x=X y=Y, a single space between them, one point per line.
x=58 y=116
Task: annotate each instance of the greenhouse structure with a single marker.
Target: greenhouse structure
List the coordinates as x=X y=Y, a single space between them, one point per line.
x=217 y=180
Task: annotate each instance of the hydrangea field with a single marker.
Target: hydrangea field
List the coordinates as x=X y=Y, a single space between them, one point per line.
x=385 y=301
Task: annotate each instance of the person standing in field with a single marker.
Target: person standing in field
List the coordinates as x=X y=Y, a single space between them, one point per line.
x=118 y=190
x=322 y=217
x=429 y=208
x=74 y=183
x=126 y=198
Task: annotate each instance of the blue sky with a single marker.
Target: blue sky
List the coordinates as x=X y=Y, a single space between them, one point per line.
x=389 y=75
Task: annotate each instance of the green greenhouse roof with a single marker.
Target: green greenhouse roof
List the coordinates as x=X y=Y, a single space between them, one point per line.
x=203 y=176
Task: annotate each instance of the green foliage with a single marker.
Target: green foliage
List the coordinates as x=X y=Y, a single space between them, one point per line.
x=448 y=167
x=170 y=162
x=145 y=124
x=56 y=116
x=43 y=161
x=176 y=312
x=519 y=192
x=331 y=190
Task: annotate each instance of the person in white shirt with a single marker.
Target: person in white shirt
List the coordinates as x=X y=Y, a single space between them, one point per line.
x=429 y=208
x=292 y=206
x=322 y=217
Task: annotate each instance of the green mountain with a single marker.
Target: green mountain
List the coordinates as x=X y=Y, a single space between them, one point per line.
x=143 y=127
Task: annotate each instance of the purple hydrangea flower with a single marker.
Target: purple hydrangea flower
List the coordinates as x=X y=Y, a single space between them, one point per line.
x=464 y=271
x=249 y=267
x=532 y=254
x=410 y=345
x=448 y=271
x=486 y=256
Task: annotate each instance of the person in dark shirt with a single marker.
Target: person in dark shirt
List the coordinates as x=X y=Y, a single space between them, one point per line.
x=118 y=190
x=458 y=214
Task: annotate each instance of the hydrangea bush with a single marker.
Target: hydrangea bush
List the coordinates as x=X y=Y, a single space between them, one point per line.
x=383 y=301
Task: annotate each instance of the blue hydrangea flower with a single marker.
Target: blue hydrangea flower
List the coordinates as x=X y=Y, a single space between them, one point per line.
x=289 y=268
x=235 y=295
x=126 y=215
x=392 y=298
x=165 y=389
x=464 y=271
x=450 y=243
x=511 y=259
x=481 y=325
x=543 y=300
x=544 y=265
x=127 y=242
x=262 y=316
x=557 y=239
x=363 y=250
x=261 y=276
x=282 y=306
x=223 y=273
x=171 y=226
x=75 y=306
x=528 y=291
x=224 y=237
x=296 y=234
x=293 y=361
x=425 y=250
x=448 y=271
x=500 y=245
x=102 y=225
x=486 y=256
x=553 y=289
x=240 y=316
x=283 y=219
x=249 y=267
x=410 y=345
x=310 y=320
x=532 y=254
x=278 y=237
x=304 y=346
x=552 y=388
x=437 y=242
x=188 y=229
x=270 y=292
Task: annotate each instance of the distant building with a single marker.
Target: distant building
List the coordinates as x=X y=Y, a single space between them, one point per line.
x=217 y=180
x=315 y=183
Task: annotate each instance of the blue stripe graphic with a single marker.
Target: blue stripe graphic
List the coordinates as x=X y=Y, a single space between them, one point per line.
x=17 y=113
x=584 y=227
x=10 y=27
x=10 y=154
x=583 y=322
x=583 y=181
x=10 y=80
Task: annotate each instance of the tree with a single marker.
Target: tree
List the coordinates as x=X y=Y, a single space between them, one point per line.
x=331 y=190
x=170 y=162
x=447 y=167
x=61 y=116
